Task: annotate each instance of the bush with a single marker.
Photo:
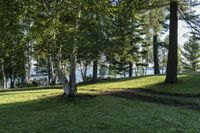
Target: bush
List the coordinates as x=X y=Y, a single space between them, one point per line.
x=23 y=85
x=88 y=79
x=34 y=84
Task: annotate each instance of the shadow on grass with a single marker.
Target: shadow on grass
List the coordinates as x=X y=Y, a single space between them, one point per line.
x=150 y=91
x=79 y=84
x=133 y=95
x=103 y=81
x=30 y=89
x=129 y=94
x=156 y=97
x=187 y=86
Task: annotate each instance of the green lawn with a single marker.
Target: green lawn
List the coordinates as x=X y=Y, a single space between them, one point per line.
x=151 y=106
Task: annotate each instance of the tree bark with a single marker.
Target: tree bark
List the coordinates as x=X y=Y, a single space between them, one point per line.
x=53 y=75
x=56 y=61
x=63 y=80
x=155 y=55
x=124 y=73
x=83 y=69
x=28 y=65
x=130 y=69
x=171 y=76
x=49 y=71
x=11 y=81
x=95 y=70
x=4 y=75
x=73 y=73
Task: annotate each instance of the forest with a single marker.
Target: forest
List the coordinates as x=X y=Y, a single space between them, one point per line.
x=121 y=49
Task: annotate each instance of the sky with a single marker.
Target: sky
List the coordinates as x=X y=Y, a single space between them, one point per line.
x=182 y=30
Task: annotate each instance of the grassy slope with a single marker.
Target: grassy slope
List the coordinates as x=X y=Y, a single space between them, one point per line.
x=185 y=84
x=41 y=110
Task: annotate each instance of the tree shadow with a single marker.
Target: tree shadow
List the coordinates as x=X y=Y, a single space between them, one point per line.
x=130 y=94
x=30 y=89
x=113 y=80
x=79 y=84
x=187 y=86
x=134 y=95
x=150 y=91
x=154 y=96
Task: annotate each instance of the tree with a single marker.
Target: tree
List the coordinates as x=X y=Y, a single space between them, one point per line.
x=162 y=53
x=60 y=30
x=191 y=54
x=155 y=54
x=171 y=76
x=56 y=33
x=124 y=34
x=155 y=17
x=12 y=49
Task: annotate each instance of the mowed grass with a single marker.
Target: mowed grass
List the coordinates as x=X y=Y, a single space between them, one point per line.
x=187 y=84
x=41 y=110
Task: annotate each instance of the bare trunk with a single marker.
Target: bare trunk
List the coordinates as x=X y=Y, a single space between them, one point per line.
x=172 y=63
x=83 y=68
x=28 y=75
x=53 y=75
x=124 y=73
x=11 y=81
x=28 y=71
x=155 y=55
x=73 y=89
x=59 y=72
x=130 y=69
x=146 y=70
x=4 y=75
x=84 y=73
x=63 y=80
x=136 y=71
x=49 y=71
x=73 y=73
x=95 y=70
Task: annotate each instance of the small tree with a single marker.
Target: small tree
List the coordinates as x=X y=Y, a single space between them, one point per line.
x=191 y=54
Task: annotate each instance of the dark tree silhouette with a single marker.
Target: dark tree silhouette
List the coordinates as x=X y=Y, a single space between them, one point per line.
x=95 y=70
x=155 y=54
x=171 y=76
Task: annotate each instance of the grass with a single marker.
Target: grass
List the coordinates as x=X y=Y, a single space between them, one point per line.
x=187 y=84
x=41 y=110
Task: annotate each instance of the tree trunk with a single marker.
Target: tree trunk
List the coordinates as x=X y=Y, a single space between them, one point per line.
x=130 y=69
x=155 y=55
x=53 y=75
x=73 y=73
x=124 y=73
x=95 y=70
x=57 y=63
x=146 y=70
x=84 y=73
x=28 y=66
x=83 y=69
x=11 y=81
x=49 y=71
x=136 y=71
x=73 y=89
x=63 y=80
x=171 y=76
x=4 y=75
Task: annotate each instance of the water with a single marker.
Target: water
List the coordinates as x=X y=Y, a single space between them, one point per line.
x=79 y=79
x=44 y=78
